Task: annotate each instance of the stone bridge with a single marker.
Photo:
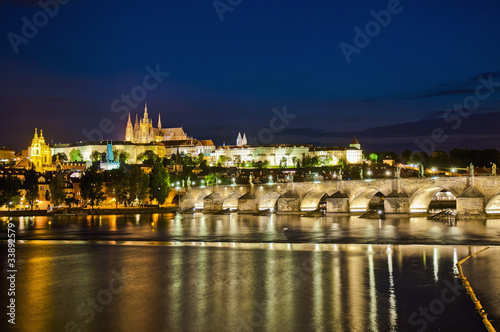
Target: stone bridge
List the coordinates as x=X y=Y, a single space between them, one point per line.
x=474 y=196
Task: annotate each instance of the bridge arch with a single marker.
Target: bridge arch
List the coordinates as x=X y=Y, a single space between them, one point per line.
x=199 y=200
x=311 y=200
x=231 y=201
x=493 y=206
x=420 y=200
x=269 y=200
x=362 y=199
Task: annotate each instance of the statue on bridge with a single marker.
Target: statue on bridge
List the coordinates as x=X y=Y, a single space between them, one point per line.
x=340 y=175
x=494 y=169
x=471 y=167
x=250 y=180
x=189 y=182
x=361 y=173
x=398 y=172
x=421 y=172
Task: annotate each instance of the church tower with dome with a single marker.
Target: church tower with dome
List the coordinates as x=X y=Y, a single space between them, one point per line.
x=39 y=153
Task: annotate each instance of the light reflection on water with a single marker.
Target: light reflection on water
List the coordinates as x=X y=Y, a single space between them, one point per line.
x=232 y=272
x=244 y=287
x=248 y=228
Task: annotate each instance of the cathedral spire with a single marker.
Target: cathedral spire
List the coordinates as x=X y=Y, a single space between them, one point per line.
x=238 y=140
x=159 y=121
x=129 y=122
x=146 y=111
x=244 y=141
x=36 y=134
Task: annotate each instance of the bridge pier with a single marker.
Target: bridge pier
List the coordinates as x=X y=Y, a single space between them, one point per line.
x=213 y=203
x=248 y=203
x=337 y=203
x=289 y=203
x=470 y=204
x=354 y=195
x=397 y=203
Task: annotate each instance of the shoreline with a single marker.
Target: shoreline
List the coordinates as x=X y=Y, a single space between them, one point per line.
x=88 y=212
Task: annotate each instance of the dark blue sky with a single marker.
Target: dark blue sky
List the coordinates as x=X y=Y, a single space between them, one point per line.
x=227 y=76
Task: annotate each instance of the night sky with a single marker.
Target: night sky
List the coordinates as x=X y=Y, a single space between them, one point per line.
x=226 y=76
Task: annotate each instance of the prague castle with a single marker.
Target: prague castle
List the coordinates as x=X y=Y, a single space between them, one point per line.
x=142 y=136
x=143 y=132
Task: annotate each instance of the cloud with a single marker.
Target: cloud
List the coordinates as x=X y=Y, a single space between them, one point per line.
x=440 y=94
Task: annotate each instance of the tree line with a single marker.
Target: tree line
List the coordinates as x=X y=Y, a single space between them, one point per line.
x=456 y=158
x=126 y=185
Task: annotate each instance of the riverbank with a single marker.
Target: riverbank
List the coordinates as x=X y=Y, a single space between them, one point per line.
x=23 y=213
x=84 y=212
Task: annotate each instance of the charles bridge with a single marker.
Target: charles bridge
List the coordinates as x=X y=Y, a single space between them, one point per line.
x=475 y=196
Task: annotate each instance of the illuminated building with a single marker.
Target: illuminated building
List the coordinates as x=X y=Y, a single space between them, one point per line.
x=39 y=153
x=6 y=154
x=276 y=155
x=143 y=132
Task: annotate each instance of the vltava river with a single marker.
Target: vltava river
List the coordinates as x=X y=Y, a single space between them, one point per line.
x=245 y=273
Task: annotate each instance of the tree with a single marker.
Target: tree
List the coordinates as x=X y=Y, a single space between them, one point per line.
x=373 y=157
x=315 y=161
x=328 y=160
x=405 y=156
x=148 y=157
x=210 y=179
x=187 y=160
x=237 y=160
x=61 y=155
x=10 y=190
x=116 y=185
x=418 y=158
x=201 y=158
x=159 y=183
x=71 y=200
x=91 y=186
x=342 y=164
x=31 y=186
x=75 y=155
x=142 y=188
x=296 y=161
x=283 y=161
x=221 y=160
x=95 y=156
x=123 y=157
